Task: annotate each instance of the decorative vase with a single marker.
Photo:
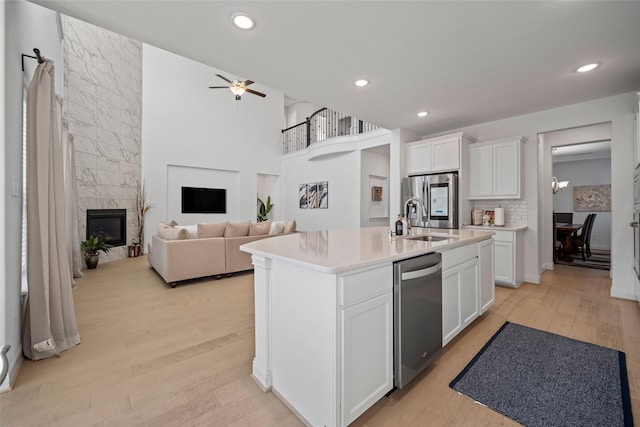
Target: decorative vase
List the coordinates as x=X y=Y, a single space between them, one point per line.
x=137 y=249
x=91 y=259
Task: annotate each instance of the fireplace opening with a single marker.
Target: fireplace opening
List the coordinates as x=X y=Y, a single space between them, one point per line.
x=108 y=224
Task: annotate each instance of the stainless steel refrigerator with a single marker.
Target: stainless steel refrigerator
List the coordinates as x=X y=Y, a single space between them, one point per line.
x=437 y=193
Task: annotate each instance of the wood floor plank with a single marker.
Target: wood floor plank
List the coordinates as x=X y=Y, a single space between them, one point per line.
x=152 y=355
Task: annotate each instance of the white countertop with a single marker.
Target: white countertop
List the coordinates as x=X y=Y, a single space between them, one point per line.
x=495 y=228
x=336 y=251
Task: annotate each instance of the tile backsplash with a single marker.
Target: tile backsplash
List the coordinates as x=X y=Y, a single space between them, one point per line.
x=515 y=211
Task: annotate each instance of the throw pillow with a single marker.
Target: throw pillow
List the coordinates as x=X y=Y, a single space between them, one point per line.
x=162 y=224
x=212 y=230
x=276 y=227
x=289 y=227
x=191 y=229
x=170 y=233
x=260 y=228
x=237 y=230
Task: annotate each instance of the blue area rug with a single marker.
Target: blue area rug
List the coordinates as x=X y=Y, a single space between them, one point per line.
x=542 y=379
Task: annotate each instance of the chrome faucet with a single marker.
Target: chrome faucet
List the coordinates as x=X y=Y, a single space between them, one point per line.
x=414 y=200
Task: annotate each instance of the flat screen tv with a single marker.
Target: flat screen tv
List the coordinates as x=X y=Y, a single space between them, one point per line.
x=204 y=200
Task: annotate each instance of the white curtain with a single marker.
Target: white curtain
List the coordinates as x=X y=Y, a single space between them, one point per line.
x=50 y=322
x=71 y=199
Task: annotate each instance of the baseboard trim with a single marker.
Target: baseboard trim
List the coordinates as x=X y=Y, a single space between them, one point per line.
x=12 y=375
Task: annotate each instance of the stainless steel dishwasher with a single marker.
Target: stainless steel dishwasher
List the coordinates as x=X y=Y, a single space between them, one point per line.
x=417 y=315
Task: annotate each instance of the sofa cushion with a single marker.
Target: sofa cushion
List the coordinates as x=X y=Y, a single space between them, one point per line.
x=212 y=230
x=260 y=228
x=238 y=229
x=191 y=229
x=289 y=227
x=276 y=227
x=171 y=233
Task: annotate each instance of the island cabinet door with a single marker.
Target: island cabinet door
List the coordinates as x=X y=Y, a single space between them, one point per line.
x=367 y=355
x=459 y=298
x=487 y=283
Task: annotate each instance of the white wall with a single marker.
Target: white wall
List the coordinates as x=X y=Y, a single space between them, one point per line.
x=375 y=172
x=338 y=161
x=190 y=128
x=585 y=172
x=341 y=171
x=25 y=26
x=615 y=109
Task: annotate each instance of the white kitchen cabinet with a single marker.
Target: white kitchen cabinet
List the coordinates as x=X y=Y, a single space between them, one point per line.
x=487 y=283
x=435 y=154
x=494 y=169
x=480 y=172
x=460 y=295
x=509 y=258
x=366 y=341
x=367 y=354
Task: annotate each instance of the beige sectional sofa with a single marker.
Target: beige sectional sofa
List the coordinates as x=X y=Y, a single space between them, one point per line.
x=179 y=253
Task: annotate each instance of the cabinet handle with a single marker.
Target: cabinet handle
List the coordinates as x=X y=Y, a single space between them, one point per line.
x=421 y=273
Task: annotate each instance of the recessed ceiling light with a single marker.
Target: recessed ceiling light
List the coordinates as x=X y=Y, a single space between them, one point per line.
x=423 y=114
x=362 y=82
x=587 y=67
x=242 y=20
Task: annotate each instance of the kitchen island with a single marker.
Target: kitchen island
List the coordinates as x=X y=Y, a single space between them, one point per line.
x=324 y=311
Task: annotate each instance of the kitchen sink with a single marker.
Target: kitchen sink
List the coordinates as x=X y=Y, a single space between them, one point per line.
x=429 y=238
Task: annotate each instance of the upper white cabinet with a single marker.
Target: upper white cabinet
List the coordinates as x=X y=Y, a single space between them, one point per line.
x=494 y=169
x=435 y=154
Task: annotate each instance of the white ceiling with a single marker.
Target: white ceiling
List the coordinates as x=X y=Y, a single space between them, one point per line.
x=464 y=62
x=574 y=152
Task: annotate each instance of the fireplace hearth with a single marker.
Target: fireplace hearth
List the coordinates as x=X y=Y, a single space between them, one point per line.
x=109 y=225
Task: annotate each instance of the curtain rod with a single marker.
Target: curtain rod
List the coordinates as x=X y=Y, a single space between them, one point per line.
x=39 y=57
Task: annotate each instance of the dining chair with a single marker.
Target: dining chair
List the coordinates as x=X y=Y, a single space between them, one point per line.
x=564 y=217
x=582 y=238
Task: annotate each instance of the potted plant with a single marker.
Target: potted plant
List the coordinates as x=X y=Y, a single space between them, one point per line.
x=264 y=209
x=92 y=247
x=141 y=206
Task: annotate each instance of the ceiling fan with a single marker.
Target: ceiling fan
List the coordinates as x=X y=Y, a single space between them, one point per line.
x=237 y=87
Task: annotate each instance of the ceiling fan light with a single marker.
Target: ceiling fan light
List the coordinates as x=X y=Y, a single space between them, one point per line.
x=237 y=90
x=242 y=20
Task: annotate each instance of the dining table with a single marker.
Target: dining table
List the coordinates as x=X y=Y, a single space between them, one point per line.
x=565 y=230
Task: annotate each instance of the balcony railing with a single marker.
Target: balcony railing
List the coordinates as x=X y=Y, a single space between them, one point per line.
x=321 y=125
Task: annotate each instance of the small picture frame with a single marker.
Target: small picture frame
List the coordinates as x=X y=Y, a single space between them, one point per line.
x=302 y=196
x=323 y=190
x=376 y=193
x=312 y=195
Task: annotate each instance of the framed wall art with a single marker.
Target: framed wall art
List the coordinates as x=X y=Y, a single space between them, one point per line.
x=592 y=198
x=312 y=195
x=302 y=196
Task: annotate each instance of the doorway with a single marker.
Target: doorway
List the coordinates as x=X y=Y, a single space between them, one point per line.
x=563 y=199
x=582 y=202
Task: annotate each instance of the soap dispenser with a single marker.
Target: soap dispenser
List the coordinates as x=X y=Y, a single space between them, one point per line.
x=399 y=226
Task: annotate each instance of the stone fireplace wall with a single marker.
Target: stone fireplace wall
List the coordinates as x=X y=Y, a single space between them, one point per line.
x=103 y=108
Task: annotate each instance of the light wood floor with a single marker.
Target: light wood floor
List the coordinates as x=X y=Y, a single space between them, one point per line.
x=151 y=355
